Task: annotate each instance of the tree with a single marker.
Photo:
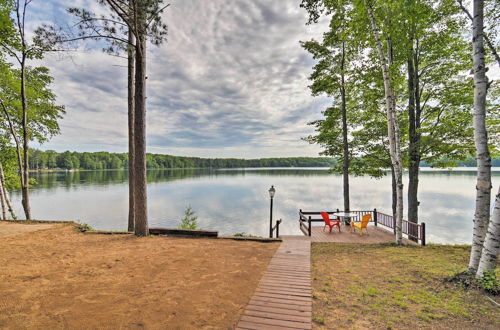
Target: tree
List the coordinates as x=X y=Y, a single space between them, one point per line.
x=8 y=174
x=338 y=73
x=491 y=246
x=438 y=90
x=14 y=42
x=392 y=122
x=329 y=77
x=189 y=220
x=39 y=107
x=428 y=57
x=494 y=18
x=129 y=26
x=483 y=184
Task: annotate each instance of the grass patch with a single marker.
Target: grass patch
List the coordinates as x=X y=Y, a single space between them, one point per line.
x=384 y=286
x=83 y=227
x=243 y=234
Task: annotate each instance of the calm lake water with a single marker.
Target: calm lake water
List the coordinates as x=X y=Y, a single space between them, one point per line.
x=232 y=201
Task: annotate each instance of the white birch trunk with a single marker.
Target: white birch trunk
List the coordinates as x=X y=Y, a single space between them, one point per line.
x=483 y=184
x=6 y=195
x=491 y=246
x=392 y=128
x=2 y=201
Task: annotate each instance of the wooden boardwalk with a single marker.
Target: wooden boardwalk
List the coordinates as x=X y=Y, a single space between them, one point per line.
x=283 y=298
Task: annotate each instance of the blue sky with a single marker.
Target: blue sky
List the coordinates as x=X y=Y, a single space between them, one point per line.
x=231 y=81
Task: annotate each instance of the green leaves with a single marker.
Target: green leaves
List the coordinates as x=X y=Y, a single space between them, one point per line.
x=43 y=112
x=433 y=34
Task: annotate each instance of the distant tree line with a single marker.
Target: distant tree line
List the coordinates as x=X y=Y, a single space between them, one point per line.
x=50 y=159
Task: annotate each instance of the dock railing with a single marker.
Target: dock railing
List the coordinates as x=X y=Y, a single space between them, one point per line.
x=276 y=229
x=414 y=231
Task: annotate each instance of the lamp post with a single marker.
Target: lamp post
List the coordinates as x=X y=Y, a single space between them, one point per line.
x=272 y=191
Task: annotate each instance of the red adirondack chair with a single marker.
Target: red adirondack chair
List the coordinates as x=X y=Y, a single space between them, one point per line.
x=328 y=222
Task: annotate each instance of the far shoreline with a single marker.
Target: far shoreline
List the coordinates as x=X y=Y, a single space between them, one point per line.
x=422 y=169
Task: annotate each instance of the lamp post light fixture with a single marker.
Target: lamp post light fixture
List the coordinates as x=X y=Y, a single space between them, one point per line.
x=272 y=191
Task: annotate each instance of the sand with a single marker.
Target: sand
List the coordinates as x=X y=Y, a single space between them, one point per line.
x=13 y=228
x=59 y=278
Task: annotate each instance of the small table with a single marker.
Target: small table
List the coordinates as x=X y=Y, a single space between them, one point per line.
x=346 y=216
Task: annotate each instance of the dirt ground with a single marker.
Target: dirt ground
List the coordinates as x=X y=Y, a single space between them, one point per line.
x=59 y=278
x=12 y=228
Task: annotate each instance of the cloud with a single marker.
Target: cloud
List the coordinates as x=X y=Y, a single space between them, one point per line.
x=231 y=81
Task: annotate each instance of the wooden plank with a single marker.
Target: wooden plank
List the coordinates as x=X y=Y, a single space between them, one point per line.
x=283 y=296
x=285 y=275
x=285 y=311
x=281 y=290
x=273 y=322
x=257 y=326
x=295 y=293
x=285 y=285
x=276 y=289
x=278 y=316
x=279 y=304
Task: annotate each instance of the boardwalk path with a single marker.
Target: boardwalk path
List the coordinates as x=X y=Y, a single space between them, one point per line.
x=283 y=298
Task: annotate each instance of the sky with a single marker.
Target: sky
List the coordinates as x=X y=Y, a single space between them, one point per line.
x=231 y=81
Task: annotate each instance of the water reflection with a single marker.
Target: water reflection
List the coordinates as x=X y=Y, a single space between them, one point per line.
x=237 y=200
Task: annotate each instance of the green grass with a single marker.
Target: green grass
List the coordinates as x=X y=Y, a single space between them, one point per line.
x=386 y=286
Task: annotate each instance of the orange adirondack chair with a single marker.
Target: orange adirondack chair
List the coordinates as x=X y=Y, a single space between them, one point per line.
x=328 y=222
x=360 y=225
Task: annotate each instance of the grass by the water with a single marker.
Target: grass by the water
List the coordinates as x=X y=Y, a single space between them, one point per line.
x=385 y=287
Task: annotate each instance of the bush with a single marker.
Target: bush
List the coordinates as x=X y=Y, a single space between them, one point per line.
x=489 y=282
x=189 y=220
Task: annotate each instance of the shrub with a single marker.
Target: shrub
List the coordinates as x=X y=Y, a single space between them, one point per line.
x=189 y=220
x=489 y=282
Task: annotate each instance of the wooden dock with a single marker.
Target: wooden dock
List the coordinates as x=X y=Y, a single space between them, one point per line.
x=283 y=298
x=372 y=235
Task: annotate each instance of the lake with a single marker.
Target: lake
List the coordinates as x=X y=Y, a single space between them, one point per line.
x=237 y=200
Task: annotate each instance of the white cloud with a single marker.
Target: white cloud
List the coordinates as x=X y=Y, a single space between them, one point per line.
x=231 y=81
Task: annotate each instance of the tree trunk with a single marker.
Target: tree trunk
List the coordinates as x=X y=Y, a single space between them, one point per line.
x=140 y=188
x=345 y=168
x=491 y=246
x=394 y=192
x=483 y=184
x=2 y=202
x=25 y=169
x=131 y=140
x=413 y=148
x=16 y=141
x=6 y=195
x=392 y=128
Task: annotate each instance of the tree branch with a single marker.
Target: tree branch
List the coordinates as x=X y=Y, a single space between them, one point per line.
x=485 y=35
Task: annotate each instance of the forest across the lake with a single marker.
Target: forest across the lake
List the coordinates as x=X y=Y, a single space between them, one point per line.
x=50 y=160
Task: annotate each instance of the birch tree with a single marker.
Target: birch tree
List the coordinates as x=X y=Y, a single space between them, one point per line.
x=491 y=246
x=4 y=197
x=483 y=159
x=392 y=123
x=14 y=42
